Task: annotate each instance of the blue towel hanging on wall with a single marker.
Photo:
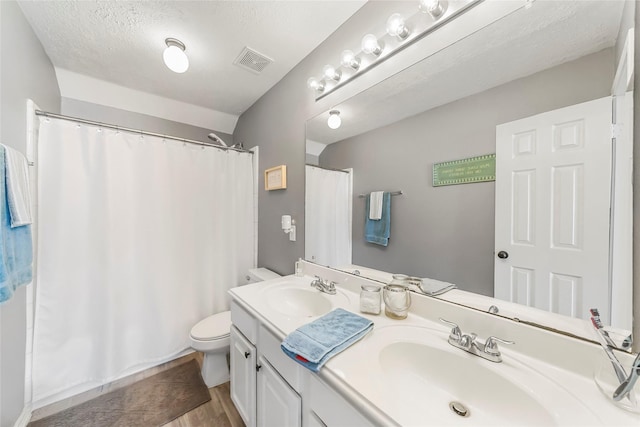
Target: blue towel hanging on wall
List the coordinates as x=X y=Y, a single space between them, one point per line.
x=16 y=254
x=377 y=231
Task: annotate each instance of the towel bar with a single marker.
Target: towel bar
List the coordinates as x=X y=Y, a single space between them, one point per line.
x=393 y=193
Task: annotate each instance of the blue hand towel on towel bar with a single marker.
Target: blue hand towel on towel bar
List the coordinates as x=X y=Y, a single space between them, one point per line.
x=377 y=231
x=15 y=243
x=311 y=345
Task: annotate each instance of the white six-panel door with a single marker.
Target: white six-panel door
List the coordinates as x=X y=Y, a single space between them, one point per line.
x=552 y=209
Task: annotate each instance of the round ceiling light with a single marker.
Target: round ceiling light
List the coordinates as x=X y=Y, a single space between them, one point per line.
x=334 y=120
x=174 y=57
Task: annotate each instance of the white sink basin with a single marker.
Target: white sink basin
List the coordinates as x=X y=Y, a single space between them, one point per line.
x=419 y=369
x=295 y=300
x=451 y=377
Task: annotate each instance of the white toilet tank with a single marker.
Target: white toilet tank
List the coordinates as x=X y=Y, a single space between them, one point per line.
x=260 y=274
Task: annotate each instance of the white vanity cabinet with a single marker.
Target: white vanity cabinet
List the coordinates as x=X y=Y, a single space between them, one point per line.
x=269 y=389
x=260 y=392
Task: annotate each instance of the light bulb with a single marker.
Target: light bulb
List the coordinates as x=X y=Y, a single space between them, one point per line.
x=334 y=120
x=371 y=45
x=349 y=59
x=435 y=8
x=174 y=57
x=396 y=26
x=331 y=73
x=315 y=84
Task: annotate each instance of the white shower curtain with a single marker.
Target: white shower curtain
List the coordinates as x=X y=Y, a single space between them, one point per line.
x=139 y=238
x=328 y=201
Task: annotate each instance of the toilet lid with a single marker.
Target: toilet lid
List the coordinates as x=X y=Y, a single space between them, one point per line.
x=213 y=327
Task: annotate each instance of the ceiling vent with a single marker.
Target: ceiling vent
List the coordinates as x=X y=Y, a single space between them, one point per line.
x=253 y=61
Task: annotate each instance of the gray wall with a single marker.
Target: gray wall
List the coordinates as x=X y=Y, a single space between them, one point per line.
x=276 y=123
x=447 y=233
x=25 y=72
x=110 y=115
x=310 y=159
x=281 y=141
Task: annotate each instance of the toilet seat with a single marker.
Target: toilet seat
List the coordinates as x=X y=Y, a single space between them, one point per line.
x=212 y=328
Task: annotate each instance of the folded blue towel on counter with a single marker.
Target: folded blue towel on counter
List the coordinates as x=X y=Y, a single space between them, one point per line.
x=377 y=231
x=311 y=345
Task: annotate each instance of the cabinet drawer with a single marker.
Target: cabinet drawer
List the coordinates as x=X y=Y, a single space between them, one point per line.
x=269 y=346
x=330 y=408
x=245 y=322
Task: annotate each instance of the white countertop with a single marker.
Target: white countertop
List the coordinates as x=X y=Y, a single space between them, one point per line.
x=372 y=374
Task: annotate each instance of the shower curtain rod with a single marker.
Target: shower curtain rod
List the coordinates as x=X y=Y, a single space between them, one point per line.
x=327 y=169
x=137 y=131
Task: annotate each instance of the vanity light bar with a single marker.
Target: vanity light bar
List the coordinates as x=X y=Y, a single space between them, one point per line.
x=400 y=33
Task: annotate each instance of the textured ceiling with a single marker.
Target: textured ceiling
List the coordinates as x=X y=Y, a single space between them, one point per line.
x=122 y=42
x=525 y=42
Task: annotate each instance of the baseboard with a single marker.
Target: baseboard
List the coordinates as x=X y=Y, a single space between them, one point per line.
x=24 y=417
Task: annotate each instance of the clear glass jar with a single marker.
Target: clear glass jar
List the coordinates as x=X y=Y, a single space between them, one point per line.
x=397 y=301
x=370 y=299
x=399 y=279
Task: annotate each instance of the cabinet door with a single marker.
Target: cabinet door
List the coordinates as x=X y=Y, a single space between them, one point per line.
x=243 y=376
x=278 y=404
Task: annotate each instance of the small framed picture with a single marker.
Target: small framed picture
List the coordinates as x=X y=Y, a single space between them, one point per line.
x=275 y=178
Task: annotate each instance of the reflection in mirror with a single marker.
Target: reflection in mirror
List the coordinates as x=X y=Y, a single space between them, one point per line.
x=536 y=81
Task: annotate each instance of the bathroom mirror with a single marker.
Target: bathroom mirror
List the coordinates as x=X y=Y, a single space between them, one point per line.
x=538 y=59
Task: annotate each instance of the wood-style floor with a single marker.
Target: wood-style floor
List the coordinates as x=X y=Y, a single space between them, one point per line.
x=218 y=412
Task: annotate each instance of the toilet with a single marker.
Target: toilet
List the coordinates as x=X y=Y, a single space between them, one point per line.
x=211 y=336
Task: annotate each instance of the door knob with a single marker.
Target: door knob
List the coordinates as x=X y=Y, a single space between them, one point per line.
x=503 y=255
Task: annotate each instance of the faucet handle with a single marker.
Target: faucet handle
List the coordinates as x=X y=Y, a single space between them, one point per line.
x=491 y=347
x=332 y=288
x=455 y=333
x=468 y=341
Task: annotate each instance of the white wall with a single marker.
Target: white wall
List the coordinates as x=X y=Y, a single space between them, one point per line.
x=100 y=92
x=117 y=116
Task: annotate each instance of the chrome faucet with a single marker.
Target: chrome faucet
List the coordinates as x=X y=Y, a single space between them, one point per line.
x=626 y=382
x=322 y=285
x=627 y=385
x=469 y=343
